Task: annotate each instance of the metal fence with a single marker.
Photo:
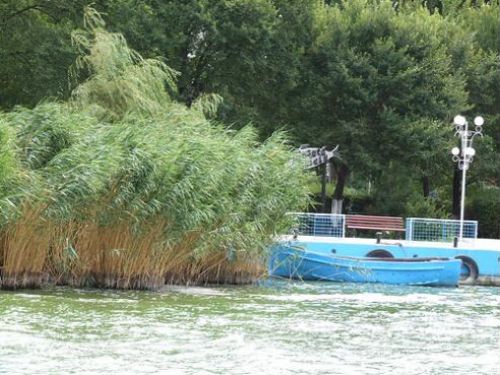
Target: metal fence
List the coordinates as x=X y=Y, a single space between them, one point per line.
x=324 y=225
x=438 y=230
x=417 y=229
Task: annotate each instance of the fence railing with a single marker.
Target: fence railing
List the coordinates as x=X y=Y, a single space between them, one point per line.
x=417 y=229
x=324 y=225
x=438 y=230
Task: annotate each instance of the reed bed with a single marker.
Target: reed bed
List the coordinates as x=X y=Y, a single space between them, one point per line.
x=122 y=187
x=22 y=262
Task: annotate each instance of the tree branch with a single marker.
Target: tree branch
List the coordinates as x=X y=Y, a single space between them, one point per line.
x=21 y=11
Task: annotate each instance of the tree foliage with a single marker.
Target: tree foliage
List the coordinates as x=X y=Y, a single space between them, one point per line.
x=382 y=79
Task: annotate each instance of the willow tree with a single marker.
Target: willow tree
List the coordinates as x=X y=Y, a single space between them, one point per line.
x=134 y=188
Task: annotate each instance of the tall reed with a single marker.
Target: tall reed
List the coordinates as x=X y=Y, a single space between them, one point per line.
x=23 y=262
x=134 y=189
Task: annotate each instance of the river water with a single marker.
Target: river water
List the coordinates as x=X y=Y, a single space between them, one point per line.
x=276 y=327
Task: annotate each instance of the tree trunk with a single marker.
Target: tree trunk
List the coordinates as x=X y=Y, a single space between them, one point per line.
x=455 y=210
x=338 y=194
x=426 y=186
x=323 y=188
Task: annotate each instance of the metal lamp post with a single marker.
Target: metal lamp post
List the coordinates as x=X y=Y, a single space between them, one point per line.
x=465 y=154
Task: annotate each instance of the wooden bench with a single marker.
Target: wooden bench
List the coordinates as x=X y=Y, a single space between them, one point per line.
x=382 y=223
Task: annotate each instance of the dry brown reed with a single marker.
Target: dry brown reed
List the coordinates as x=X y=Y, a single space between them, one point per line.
x=213 y=269
x=36 y=251
x=23 y=252
x=118 y=256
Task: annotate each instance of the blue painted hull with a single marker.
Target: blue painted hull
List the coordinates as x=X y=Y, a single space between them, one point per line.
x=292 y=262
x=484 y=254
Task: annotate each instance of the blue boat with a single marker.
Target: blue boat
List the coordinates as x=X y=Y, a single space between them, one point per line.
x=294 y=262
x=332 y=234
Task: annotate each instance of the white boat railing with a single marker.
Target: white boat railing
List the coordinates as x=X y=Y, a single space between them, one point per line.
x=438 y=230
x=322 y=225
x=417 y=229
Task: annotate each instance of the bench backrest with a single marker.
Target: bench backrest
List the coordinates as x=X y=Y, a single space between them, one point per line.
x=388 y=223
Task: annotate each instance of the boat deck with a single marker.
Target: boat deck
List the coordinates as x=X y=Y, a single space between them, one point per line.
x=468 y=244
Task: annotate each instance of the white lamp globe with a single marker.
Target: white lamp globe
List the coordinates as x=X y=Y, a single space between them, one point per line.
x=479 y=121
x=455 y=151
x=470 y=151
x=459 y=120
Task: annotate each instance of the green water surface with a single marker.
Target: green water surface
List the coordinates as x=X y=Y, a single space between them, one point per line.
x=277 y=327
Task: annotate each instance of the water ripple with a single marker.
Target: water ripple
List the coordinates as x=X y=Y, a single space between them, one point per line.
x=276 y=327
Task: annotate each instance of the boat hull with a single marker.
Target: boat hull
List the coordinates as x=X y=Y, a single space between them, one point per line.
x=291 y=262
